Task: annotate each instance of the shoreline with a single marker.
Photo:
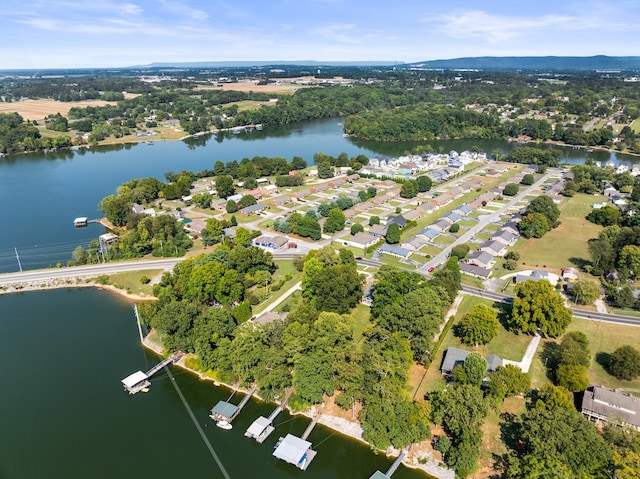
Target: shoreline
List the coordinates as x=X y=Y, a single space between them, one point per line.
x=353 y=430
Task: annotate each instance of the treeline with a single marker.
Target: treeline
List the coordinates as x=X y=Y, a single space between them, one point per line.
x=423 y=122
x=17 y=136
x=534 y=156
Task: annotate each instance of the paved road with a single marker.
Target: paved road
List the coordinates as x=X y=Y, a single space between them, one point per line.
x=91 y=270
x=484 y=221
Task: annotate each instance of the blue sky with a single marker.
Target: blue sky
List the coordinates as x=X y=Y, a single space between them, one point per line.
x=114 y=33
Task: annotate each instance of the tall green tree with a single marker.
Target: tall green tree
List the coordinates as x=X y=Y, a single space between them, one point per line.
x=538 y=306
x=624 y=363
x=393 y=234
x=479 y=326
x=224 y=186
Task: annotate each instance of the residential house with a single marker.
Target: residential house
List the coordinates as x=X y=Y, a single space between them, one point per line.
x=454 y=357
x=269 y=190
x=496 y=248
x=480 y=258
x=415 y=243
x=281 y=200
x=476 y=271
x=395 y=251
x=505 y=237
x=253 y=209
x=429 y=233
x=602 y=404
x=570 y=274
x=274 y=242
x=397 y=219
x=535 y=275
x=379 y=231
x=412 y=215
x=440 y=225
x=361 y=240
x=463 y=210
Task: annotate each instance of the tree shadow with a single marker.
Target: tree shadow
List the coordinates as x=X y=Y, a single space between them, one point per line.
x=579 y=263
x=504 y=313
x=603 y=359
x=549 y=356
x=509 y=430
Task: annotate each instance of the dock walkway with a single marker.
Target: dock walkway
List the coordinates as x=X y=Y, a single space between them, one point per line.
x=397 y=462
x=310 y=428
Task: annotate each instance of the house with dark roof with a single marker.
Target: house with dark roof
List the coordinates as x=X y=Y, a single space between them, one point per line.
x=600 y=404
x=253 y=209
x=400 y=220
x=475 y=271
x=454 y=357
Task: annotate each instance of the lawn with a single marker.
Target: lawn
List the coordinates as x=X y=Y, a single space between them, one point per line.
x=506 y=345
x=604 y=339
x=565 y=245
x=130 y=281
x=444 y=240
x=361 y=314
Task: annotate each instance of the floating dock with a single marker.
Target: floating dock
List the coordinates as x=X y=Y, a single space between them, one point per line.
x=262 y=427
x=295 y=451
x=136 y=382
x=225 y=411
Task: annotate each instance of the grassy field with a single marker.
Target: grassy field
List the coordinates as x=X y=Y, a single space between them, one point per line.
x=565 y=245
x=130 y=281
x=360 y=314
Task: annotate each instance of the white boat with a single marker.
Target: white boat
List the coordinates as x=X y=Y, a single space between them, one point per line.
x=224 y=425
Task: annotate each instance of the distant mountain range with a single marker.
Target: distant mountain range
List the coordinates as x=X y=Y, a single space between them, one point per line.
x=273 y=64
x=598 y=62
x=548 y=63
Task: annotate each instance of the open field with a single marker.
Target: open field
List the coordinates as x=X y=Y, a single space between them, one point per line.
x=565 y=245
x=252 y=86
x=38 y=109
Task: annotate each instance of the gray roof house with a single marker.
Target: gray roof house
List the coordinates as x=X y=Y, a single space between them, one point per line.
x=602 y=404
x=480 y=258
x=505 y=237
x=477 y=271
x=496 y=248
x=455 y=356
x=400 y=220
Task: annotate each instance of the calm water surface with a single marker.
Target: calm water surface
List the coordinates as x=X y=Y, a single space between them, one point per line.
x=65 y=415
x=41 y=194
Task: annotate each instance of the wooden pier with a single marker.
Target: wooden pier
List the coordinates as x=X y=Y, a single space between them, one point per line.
x=136 y=382
x=310 y=427
x=262 y=427
x=393 y=467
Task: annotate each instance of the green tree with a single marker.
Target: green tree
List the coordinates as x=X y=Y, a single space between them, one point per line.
x=534 y=225
x=507 y=381
x=511 y=189
x=550 y=396
x=116 y=209
x=356 y=228
x=460 y=251
x=424 y=183
x=231 y=206
x=393 y=234
x=202 y=199
x=454 y=228
x=629 y=261
x=479 y=326
x=325 y=170
x=568 y=443
x=224 y=186
x=527 y=179
x=607 y=216
x=409 y=189
x=475 y=367
x=573 y=377
x=335 y=221
x=624 y=363
x=537 y=305
x=585 y=291
x=246 y=200
x=374 y=220
x=212 y=233
x=546 y=206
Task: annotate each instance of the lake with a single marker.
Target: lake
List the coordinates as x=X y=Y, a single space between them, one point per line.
x=44 y=192
x=65 y=414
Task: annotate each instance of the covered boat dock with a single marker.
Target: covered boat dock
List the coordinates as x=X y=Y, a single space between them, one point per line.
x=295 y=451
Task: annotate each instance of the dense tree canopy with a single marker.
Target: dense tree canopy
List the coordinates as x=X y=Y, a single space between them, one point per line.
x=479 y=326
x=538 y=306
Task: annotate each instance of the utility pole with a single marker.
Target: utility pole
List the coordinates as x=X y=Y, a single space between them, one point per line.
x=18 y=258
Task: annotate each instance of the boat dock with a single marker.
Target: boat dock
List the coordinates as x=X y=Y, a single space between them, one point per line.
x=262 y=427
x=225 y=411
x=295 y=451
x=393 y=467
x=136 y=382
x=83 y=221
